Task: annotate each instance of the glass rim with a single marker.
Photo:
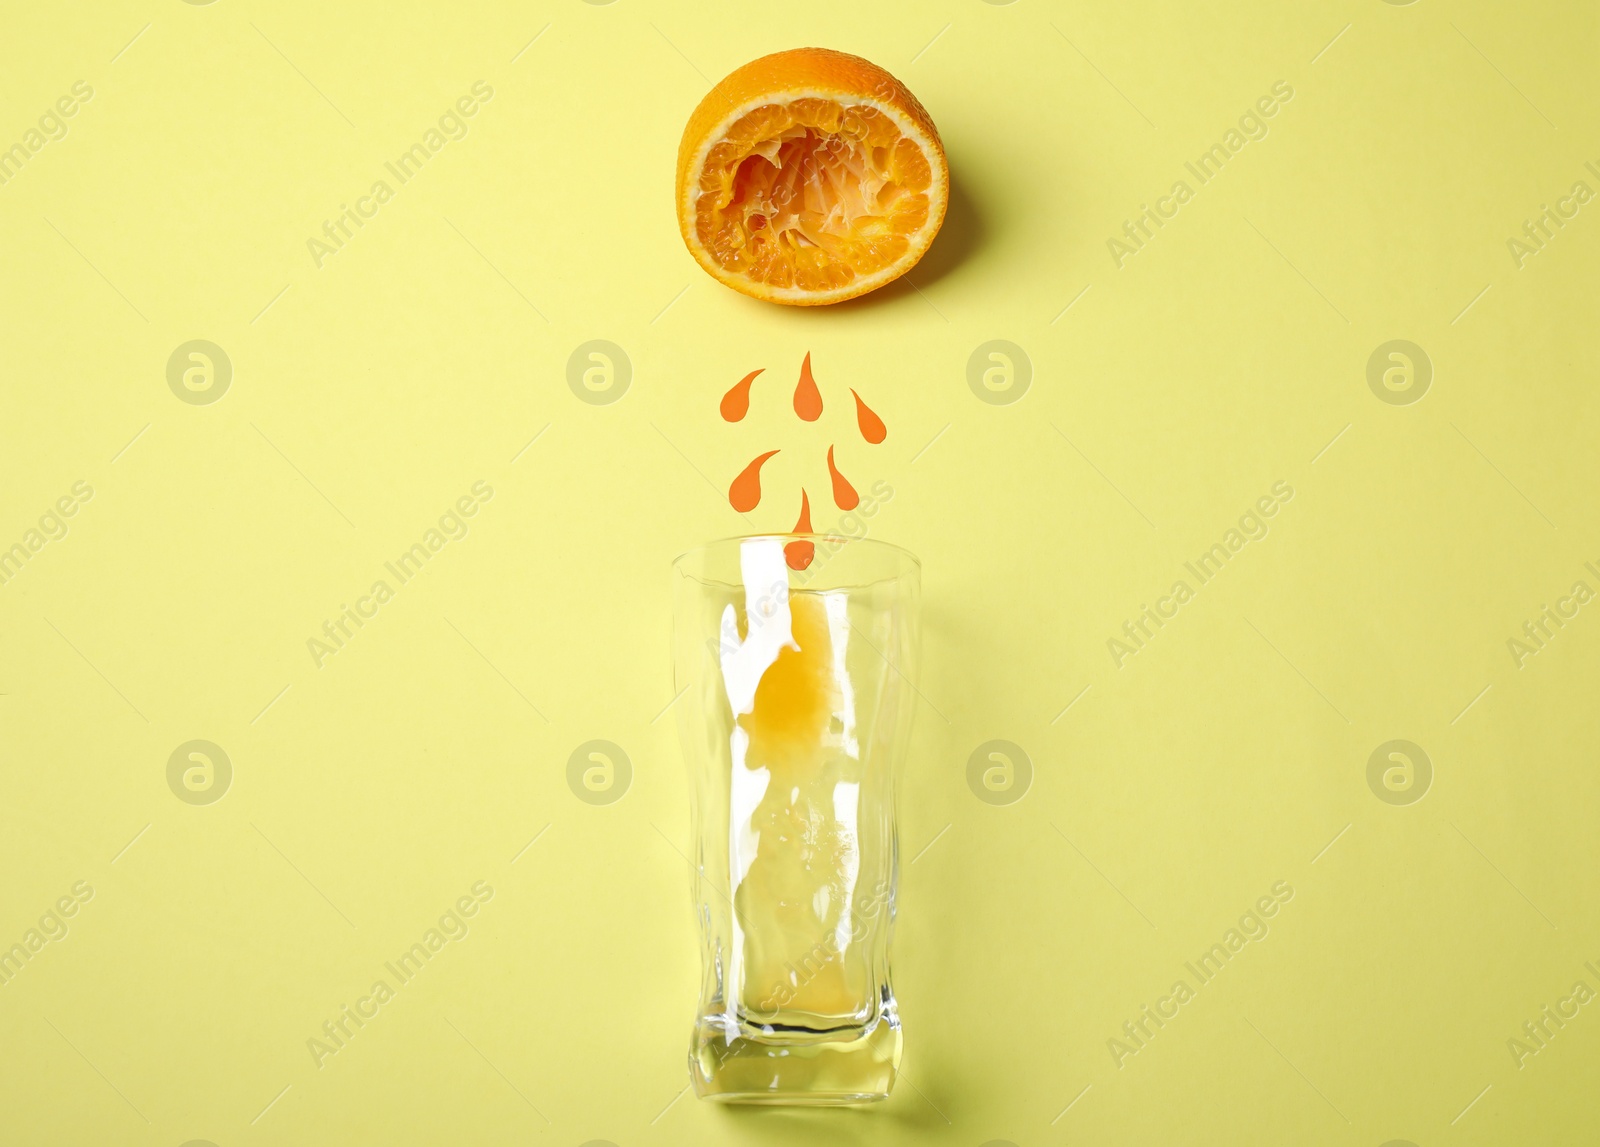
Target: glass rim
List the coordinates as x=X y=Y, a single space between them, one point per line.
x=873 y=543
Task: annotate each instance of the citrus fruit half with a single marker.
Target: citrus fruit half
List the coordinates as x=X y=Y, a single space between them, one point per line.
x=810 y=176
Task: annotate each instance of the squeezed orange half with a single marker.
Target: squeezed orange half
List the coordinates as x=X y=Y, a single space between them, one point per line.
x=810 y=176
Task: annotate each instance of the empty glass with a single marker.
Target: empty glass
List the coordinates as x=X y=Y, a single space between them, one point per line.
x=798 y=710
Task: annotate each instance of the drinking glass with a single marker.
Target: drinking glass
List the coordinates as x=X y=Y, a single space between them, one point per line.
x=800 y=693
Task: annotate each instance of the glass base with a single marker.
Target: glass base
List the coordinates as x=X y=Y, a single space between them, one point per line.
x=798 y=1064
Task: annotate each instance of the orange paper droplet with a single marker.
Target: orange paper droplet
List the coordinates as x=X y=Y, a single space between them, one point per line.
x=799 y=555
x=872 y=427
x=844 y=494
x=745 y=493
x=807 y=398
x=736 y=403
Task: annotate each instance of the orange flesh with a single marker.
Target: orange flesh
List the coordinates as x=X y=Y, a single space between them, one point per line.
x=812 y=193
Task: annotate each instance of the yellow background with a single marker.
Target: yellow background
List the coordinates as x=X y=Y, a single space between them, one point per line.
x=370 y=393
